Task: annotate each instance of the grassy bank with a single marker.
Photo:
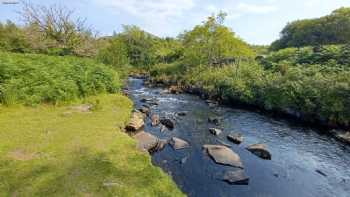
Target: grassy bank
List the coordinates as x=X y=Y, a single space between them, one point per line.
x=311 y=92
x=64 y=151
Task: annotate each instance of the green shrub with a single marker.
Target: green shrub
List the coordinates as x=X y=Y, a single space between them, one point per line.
x=34 y=79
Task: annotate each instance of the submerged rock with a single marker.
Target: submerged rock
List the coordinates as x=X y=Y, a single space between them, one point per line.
x=182 y=113
x=169 y=123
x=214 y=120
x=146 y=141
x=236 y=177
x=155 y=120
x=175 y=90
x=178 y=143
x=260 y=150
x=215 y=131
x=223 y=155
x=136 y=122
x=236 y=138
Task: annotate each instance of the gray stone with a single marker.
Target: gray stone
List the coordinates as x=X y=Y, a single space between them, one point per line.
x=236 y=177
x=178 y=143
x=215 y=131
x=146 y=141
x=223 y=155
x=344 y=137
x=169 y=123
x=155 y=120
x=136 y=122
x=260 y=150
x=236 y=138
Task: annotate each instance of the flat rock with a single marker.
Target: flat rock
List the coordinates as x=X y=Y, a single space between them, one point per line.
x=236 y=138
x=169 y=123
x=155 y=120
x=146 y=141
x=260 y=150
x=236 y=177
x=223 y=155
x=345 y=137
x=136 y=122
x=215 y=131
x=178 y=143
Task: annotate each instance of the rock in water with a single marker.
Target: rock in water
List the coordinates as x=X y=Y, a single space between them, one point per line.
x=215 y=131
x=146 y=141
x=155 y=120
x=136 y=122
x=178 y=143
x=236 y=138
x=145 y=110
x=214 y=120
x=236 y=177
x=260 y=150
x=170 y=124
x=223 y=155
x=182 y=113
x=345 y=137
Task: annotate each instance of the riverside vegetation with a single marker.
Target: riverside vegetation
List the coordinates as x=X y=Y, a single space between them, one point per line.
x=62 y=84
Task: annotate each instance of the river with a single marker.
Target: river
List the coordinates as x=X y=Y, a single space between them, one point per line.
x=305 y=161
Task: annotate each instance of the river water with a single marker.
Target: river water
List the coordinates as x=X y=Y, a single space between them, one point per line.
x=304 y=162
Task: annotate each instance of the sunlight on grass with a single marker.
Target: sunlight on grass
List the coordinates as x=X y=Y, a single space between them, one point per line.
x=57 y=151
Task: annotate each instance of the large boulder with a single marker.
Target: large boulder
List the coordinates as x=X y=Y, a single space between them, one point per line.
x=136 y=122
x=155 y=120
x=223 y=155
x=236 y=177
x=345 y=137
x=169 y=123
x=178 y=143
x=236 y=138
x=215 y=131
x=260 y=150
x=146 y=141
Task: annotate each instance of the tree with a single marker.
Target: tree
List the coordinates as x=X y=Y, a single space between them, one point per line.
x=57 y=25
x=212 y=43
x=115 y=53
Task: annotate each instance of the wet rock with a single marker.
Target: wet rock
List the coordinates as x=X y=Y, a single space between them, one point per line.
x=162 y=128
x=145 y=110
x=182 y=113
x=161 y=145
x=223 y=155
x=214 y=120
x=146 y=141
x=155 y=120
x=175 y=90
x=212 y=103
x=169 y=123
x=136 y=122
x=236 y=177
x=321 y=173
x=150 y=101
x=178 y=143
x=260 y=150
x=215 y=131
x=344 y=137
x=236 y=138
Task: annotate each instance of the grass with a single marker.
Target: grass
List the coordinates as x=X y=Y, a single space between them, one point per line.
x=57 y=151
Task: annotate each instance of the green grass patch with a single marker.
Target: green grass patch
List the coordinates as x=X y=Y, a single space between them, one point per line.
x=64 y=151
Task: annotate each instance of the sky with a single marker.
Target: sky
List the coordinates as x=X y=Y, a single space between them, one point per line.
x=255 y=21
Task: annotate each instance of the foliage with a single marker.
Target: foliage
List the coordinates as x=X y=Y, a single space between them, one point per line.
x=12 y=38
x=33 y=79
x=115 y=53
x=53 y=151
x=331 y=29
x=212 y=43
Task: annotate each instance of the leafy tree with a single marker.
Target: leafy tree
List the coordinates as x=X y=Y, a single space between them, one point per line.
x=330 y=29
x=12 y=38
x=115 y=53
x=212 y=43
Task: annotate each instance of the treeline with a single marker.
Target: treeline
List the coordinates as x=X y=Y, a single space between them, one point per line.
x=330 y=29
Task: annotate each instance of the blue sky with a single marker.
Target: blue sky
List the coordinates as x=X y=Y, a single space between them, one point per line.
x=255 y=21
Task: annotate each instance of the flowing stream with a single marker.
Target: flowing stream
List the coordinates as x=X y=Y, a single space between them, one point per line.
x=305 y=162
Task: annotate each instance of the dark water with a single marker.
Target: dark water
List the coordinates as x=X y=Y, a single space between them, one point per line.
x=298 y=153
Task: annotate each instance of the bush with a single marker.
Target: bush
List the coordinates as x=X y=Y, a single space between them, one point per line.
x=34 y=79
